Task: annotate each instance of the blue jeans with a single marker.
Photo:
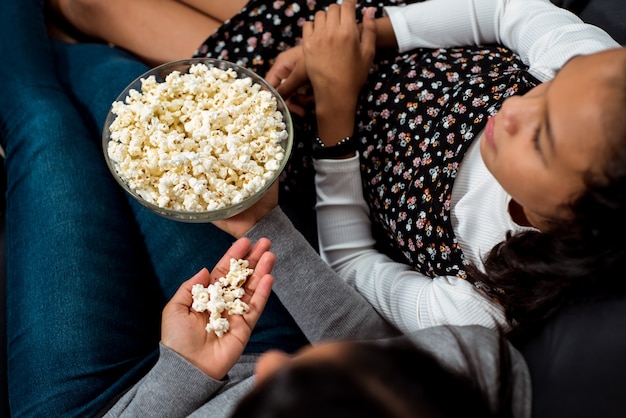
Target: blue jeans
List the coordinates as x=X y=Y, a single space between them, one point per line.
x=88 y=269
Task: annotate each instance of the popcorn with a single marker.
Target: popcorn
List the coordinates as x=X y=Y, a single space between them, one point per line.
x=223 y=296
x=199 y=141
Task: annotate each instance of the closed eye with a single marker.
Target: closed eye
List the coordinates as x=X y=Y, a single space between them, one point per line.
x=536 y=136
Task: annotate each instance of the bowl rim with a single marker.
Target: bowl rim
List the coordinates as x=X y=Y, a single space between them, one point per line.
x=200 y=216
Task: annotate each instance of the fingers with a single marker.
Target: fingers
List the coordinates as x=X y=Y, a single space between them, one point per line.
x=338 y=21
x=241 y=249
x=348 y=12
x=258 y=285
x=290 y=84
x=239 y=224
x=336 y=15
x=277 y=73
x=259 y=258
x=258 y=288
x=330 y=19
x=273 y=76
x=183 y=294
x=265 y=264
x=258 y=298
x=287 y=74
x=259 y=251
x=238 y=250
x=283 y=66
x=368 y=33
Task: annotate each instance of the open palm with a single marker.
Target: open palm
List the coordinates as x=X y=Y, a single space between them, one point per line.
x=183 y=329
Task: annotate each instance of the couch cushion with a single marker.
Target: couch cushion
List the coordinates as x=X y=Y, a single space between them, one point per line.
x=610 y=15
x=578 y=363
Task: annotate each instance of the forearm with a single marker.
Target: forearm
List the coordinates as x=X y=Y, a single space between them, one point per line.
x=385 y=36
x=320 y=302
x=443 y=23
x=405 y=297
x=346 y=242
x=545 y=36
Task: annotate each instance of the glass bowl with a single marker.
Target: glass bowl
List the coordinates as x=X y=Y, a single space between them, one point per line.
x=180 y=214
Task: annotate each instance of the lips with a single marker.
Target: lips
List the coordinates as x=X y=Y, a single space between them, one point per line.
x=489 y=132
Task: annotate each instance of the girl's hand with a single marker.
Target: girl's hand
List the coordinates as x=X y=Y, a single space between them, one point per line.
x=240 y=224
x=337 y=56
x=183 y=329
x=288 y=76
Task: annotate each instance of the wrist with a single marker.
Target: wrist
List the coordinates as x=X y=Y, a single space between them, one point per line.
x=385 y=35
x=345 y=148
x=333 y=128
x=335 y=122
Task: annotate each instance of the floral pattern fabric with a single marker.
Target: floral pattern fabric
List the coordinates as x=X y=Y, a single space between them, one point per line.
x=419 y=112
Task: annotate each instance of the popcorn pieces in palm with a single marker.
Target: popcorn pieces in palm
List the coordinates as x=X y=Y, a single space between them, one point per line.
x=198 y=141
x=223 y=296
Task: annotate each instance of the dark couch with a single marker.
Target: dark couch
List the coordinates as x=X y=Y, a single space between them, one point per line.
x=577 y=360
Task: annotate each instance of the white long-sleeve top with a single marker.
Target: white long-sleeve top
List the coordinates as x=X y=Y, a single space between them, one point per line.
x=545 y=37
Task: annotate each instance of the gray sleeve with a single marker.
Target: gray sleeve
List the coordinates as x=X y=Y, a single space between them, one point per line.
x=321 y=303
x=474 y=350
x=241 y=382
x=173 y=388
x=223 y=405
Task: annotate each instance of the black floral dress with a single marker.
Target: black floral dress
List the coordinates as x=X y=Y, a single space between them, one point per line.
x=418 y=114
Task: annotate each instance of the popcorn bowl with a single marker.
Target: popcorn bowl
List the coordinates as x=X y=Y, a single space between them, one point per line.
x=189 y=153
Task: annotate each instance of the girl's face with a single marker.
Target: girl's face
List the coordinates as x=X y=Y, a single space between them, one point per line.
x=540 y=145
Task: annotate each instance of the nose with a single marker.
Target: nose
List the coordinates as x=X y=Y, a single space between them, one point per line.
x=518 y=112
x=268 y=363
x=511 y=113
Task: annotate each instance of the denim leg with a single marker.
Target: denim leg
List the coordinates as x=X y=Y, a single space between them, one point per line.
x=82 y=307
x=94 y=75
x=81 y=304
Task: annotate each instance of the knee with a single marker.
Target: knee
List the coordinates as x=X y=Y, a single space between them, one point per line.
x=85 y=8
x=82 y=13
x=38 y=120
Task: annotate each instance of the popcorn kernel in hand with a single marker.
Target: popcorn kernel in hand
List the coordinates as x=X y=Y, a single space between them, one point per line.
x=223 y=296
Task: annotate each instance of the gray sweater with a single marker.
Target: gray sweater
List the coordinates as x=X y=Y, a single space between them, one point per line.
x=326 y=309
